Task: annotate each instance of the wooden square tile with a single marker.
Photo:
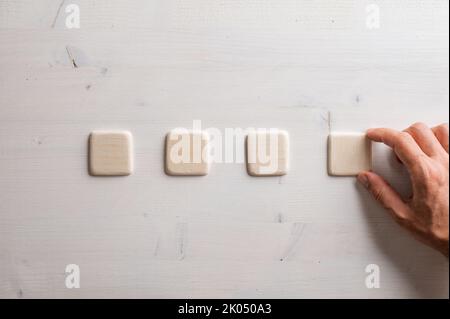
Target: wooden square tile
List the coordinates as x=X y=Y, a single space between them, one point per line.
x=110 y=153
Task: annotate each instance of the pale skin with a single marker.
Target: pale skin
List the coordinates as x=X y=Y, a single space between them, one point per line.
x=424 y=152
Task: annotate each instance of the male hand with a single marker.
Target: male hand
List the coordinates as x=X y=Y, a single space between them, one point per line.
x=424 y=152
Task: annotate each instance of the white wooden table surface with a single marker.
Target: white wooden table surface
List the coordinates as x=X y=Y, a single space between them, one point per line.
x=151 y=65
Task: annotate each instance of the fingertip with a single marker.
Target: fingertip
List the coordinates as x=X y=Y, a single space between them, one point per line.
x=363 y=178
x=382 y=191
x=372 y=133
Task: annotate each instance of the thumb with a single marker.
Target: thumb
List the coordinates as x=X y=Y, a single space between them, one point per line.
x=385 y=194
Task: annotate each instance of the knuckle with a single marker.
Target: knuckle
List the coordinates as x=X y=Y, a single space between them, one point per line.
x=420 y=126
x=442 y=129
x=404 y=137
x=420 y=165
x=378 y=194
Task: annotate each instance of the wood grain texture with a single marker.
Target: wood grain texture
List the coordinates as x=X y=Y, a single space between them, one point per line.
x=349 y=153
x=110 y=153
x=307 y=67
x=187 y=153
x=267 y=152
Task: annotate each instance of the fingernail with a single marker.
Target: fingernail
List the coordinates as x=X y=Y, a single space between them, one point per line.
x=362 y=178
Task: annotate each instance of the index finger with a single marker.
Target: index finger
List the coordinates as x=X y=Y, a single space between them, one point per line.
x=402 y=143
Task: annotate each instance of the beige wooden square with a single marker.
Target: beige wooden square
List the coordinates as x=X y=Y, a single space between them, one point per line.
x=349 y=154
x=268 y=153
x=187 y=153
x=110 y=153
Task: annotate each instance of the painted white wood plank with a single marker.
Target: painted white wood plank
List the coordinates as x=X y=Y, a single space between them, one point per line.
x=149 y=66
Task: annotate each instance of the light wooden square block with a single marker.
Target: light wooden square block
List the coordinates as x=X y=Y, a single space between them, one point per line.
x=349 y=154
x=187 y=153
x=110 y=153
x=268 y=153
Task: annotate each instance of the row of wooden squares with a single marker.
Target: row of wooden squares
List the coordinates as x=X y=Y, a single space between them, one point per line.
x=187 y=153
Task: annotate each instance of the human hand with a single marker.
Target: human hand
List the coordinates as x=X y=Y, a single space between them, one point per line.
x=424 y=152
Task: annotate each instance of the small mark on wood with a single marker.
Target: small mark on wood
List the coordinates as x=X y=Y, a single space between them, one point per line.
x=304 y=106
x=280 y=218
x=38 y=140
x=296 y=233
x=57 y=13
x=71 y=58
x=20 y=293
x=88 y=87
x=141 y=104
x=329 y=121
x=155 y=253
x=181 y=240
